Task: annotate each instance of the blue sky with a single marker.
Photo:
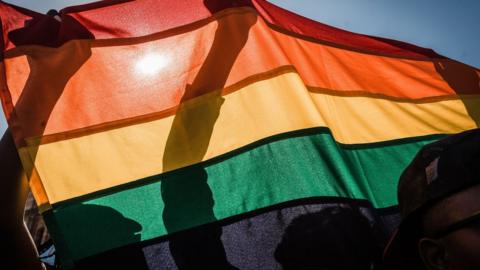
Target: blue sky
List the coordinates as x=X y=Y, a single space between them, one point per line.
x=449 y=27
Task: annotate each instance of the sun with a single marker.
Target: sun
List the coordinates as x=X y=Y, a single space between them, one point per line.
x=151 y=64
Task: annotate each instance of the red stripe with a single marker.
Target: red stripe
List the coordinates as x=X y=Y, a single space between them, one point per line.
x=11 y=18
x=125 y=18
x=310 y=28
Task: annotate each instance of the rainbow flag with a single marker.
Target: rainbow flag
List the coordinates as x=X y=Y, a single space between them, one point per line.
x=139 y=120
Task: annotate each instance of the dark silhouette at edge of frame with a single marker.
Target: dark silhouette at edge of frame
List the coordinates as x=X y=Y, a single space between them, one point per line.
x=194 y=126
x=45 y=84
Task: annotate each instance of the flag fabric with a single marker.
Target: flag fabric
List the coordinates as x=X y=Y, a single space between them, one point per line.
x=141 y=121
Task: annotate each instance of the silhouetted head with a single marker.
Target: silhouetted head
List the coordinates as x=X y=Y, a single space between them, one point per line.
x=334 y=238
x=439 y=201
x=105 y=229
x=100 y=226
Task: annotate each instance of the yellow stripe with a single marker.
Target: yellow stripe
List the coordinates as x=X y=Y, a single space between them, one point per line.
x=34 y=181
x=94 y=162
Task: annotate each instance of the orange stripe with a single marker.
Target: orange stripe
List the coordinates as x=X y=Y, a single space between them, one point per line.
x=84 y=83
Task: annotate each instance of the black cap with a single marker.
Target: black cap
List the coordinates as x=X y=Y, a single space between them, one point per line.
x=439 y=170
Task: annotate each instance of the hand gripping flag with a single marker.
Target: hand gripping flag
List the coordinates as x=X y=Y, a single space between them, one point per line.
x=137 y=121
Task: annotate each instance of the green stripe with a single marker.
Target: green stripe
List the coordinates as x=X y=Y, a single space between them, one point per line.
x=277 y=170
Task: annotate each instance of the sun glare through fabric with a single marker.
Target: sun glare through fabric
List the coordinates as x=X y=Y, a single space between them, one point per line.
x=151 y=64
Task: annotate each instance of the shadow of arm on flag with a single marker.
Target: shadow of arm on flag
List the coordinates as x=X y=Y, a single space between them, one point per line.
x=188 y=139
x=49 y=71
